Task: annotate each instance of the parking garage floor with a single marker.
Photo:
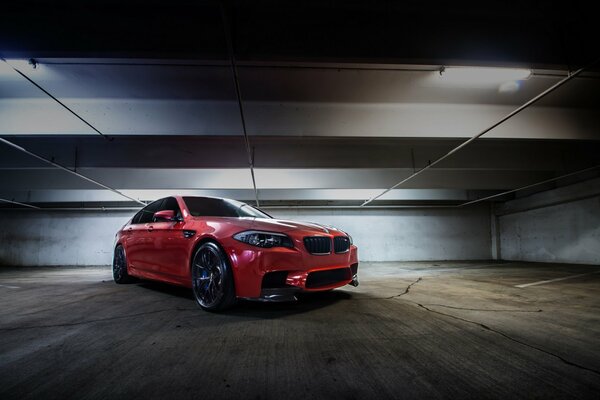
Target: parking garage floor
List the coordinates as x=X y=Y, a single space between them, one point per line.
x=410 y=330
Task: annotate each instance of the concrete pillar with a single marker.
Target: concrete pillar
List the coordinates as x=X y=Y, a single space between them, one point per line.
x=495 y=233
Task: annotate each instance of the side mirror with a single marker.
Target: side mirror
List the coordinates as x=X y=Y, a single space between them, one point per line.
x=166 y=215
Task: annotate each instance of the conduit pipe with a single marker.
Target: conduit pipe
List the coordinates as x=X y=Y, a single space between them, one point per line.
x=486 y=130
x=70 y=171
x=238 y=93
x=56 y=100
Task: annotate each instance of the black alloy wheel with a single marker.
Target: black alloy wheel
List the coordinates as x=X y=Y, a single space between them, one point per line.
x=120 y=274
x=212 y=279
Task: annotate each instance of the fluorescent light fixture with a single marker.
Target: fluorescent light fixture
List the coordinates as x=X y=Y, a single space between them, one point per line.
x=482 y=76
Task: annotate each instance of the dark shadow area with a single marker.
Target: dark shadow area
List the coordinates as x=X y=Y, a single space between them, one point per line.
x=165 y=288
x=307 y=302
x=257 y=309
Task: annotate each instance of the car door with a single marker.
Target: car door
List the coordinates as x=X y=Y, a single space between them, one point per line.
x=131 y=241
x=170 y=246
x=141 y=246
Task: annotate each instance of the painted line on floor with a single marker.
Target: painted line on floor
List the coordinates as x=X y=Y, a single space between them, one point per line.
x=564 y=278
x=10 y=287
x=474 y=266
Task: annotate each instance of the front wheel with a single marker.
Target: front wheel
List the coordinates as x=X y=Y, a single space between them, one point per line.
x=120 y=274
x=212 y=279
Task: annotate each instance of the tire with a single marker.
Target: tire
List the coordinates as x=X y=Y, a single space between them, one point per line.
x=119 y=269
x=212 y=278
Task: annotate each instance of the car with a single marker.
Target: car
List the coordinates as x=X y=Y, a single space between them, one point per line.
x=226 y=250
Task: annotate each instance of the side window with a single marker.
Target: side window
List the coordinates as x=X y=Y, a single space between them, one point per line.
x=136 y=217
x=148 y=212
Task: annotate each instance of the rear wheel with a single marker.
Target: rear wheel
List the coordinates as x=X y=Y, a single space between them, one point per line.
x=120 y=274
x=212 y=279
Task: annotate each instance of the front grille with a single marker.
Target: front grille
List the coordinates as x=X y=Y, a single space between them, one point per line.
x=318 y=244
x=341 y=244
x=328 y=277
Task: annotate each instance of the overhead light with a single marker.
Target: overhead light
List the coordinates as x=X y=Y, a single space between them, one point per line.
x=482 y=76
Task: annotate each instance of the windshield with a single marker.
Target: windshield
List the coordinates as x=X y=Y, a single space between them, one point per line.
x=212 y=207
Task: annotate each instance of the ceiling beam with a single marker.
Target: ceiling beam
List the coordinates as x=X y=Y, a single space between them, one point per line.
x=19 y=203
x=582 y=171
x=175 y=179
x=267 y=195
x=63 y=168
x=196 y=152
x=34 y=63
x=483 y=132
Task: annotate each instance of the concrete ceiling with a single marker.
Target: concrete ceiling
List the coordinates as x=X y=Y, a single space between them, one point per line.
x=536 y=33
x=325 y=126
x=151 y=98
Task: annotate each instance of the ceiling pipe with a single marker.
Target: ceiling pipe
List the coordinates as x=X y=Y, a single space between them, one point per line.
x=581 y=171
x=19 y=204
x=70 y=171
x=483 y=132
x=238 y=93
x=56 y=100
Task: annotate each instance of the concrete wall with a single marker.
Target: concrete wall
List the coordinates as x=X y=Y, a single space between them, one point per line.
x=86 y=238
x=408 y=234
x=35 y=238
x=561 y=225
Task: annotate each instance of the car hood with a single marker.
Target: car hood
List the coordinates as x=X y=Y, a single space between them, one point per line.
x=284 y=225
x=280 y=225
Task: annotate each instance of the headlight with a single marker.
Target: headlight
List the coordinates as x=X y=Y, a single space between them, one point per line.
x=264 y=239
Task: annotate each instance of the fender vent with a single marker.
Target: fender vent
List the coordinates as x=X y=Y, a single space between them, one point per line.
x=276 y=279
x=327 y=277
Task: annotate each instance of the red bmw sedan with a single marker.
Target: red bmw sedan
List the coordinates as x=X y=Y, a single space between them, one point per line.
x=224 y=250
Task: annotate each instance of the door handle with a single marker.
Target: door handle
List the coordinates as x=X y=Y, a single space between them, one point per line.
x=150 y=228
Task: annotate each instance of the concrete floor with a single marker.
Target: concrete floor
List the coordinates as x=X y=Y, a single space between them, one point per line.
x=411 y=330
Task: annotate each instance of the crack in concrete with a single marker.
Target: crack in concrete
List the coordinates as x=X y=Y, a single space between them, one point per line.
x=565 y=361
x=394 y=296
x=405 y=290
x=483 y=309
x=91 y=321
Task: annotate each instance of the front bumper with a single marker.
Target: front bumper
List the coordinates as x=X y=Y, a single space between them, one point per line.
x=277 y=274
x=281 y=290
